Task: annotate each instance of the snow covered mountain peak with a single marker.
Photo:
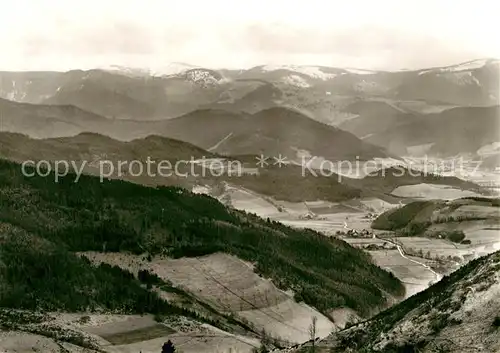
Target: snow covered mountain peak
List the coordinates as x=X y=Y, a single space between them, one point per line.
x=311 y=71
x=173 y=68
x=465 y=66
x=203 y=77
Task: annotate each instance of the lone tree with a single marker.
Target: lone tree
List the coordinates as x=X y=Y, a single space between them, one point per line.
x=168 y=347
x=312 y=333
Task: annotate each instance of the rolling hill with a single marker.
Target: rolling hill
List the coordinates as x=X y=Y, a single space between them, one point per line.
x=110 y=94
x=39 y=120
x=271 y=132
x=454 y=131
x=94 y=152
x=102 y=101
x=89 y=150
x=97 y=154
x=455 y=219
x=248 y=96
x=374 y=117
x=386 y=180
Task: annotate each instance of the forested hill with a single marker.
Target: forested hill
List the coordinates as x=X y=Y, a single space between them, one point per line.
x=118 y=216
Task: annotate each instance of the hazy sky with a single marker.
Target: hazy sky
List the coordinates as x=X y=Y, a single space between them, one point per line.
x=378 y=34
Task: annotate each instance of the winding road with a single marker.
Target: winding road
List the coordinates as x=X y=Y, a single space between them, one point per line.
x=402 y=253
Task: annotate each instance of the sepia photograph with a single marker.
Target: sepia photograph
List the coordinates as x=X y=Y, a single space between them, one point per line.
x=222 y=176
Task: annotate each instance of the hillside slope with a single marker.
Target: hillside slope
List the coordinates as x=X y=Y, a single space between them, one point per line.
x=93 y=152
x=373 y=117
x=461 y=313
x=473 y=83
x=271 y=132
x=453 y=131
x=41 y=281
x=443 y=219
x=105 y=93
x=40 y=121
x=120 y=216
x=387 y=179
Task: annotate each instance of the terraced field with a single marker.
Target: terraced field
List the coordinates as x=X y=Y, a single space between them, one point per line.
x=230 y=285
x=134 y=333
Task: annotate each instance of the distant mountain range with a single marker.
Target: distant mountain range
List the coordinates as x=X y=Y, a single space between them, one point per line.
x=470 y=83
x=266 y=109
x=118 y=93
